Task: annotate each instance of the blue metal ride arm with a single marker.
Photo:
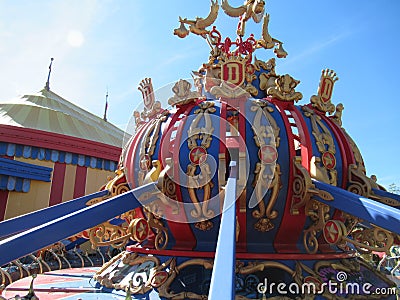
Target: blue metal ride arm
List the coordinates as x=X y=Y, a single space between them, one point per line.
x=395 y=198
x=223 y=274
x=18 y=224
x=65 y=226
x=369 y=210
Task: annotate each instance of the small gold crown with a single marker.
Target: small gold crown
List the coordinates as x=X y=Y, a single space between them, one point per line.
x=328 y=73
x=144 y=85
x=322 y=101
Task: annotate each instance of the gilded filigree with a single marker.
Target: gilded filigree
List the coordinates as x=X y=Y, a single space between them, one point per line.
x=250 y=9
x=107 y=234
x=365 y=240
x=356 y=152
x=148 y=147
x=267 y=171
x=266 y=65
x=372 y=239
x=155 y=222
x=198 y=158
x=359 y=183
x=183 y=93
x=273 y=183
x=337 y=117
x=303 y=188
x=319 y=214
x=285 y=89
x=146 y=273
x=268 y=42
x=118 y=184
x=132 y=229
x=228 y=91
x=267 y=79
x=199 y=25
x=322 y=168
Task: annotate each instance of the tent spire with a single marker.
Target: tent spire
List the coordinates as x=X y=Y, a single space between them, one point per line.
x=47 y=86
x=106 y=107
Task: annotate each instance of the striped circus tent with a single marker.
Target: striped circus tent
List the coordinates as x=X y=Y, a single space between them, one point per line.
x=49 y=112
x=52 y=151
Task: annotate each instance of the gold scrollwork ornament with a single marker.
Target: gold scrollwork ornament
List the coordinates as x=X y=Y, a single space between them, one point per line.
x=284 y=89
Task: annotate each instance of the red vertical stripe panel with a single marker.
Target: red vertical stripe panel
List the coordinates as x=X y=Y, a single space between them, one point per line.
x=57 y=184
x=3 y=204
x=80 y=181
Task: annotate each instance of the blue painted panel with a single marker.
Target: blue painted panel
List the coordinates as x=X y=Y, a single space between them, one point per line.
x=106 y=165
x=18 y=184
x=93 y=162
x=34 y=152
x=87 y=161
x=11 y=183
x=307 y=120
x=26 y=185
x=3 y=182
x=19 y=149
x=10 y=150
x=206 y=239
x=3 y=148
x=47 y=155
x=254 y=236
x=54 y=155
x=81 y=160
x=27 y=152
x=99 y=163
x=61 y=157
x=41 y=154
x=75 y=159
x=68 y=158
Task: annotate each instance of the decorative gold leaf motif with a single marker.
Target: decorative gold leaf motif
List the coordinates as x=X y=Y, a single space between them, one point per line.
x=284 y=89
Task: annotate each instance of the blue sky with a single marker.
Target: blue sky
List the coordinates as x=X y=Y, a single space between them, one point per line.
x=114 y=44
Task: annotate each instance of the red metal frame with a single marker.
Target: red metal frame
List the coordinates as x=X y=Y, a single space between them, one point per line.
x=56 y=141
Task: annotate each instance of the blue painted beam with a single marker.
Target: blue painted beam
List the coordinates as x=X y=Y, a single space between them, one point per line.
x=223 y=274
x=63 y=227
x=369 y=210
x=18 y=224
x=24 y=170
x=395 y=197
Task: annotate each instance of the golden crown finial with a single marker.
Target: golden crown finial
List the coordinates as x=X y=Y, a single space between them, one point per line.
x=322 y=101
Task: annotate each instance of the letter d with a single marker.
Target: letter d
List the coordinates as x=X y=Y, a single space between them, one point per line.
x=262 y=287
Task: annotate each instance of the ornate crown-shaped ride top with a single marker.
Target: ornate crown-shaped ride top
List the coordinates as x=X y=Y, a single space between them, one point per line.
x=232 y=61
